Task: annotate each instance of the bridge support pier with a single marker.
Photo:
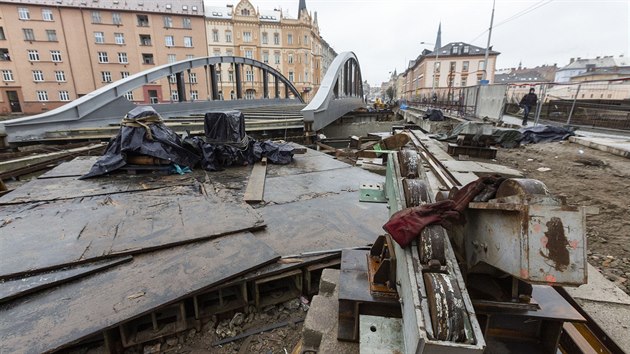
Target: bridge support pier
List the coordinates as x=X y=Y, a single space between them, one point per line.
x=239 y=83
x=213 y=82
x=265 y=76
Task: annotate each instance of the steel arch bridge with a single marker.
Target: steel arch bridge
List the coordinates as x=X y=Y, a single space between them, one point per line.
x=108 y=104
x=341 y=91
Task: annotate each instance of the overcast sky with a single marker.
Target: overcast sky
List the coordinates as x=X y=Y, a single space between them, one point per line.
x=386 y=34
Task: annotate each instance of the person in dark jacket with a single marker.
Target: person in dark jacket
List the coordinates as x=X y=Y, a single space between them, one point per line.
x=527 y=102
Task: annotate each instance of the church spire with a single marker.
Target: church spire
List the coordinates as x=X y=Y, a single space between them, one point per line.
x=301 y=8
x=438 y=40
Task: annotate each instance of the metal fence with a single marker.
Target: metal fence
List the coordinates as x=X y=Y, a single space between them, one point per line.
x=598 y=104
x=485 y=101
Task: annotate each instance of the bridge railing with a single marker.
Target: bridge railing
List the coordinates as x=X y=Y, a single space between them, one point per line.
x=341 y=91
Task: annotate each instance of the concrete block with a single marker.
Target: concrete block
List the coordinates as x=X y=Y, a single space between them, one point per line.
x=322 y=312
x=328 y=282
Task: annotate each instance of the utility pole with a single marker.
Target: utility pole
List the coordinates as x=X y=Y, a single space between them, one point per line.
x=485 y=59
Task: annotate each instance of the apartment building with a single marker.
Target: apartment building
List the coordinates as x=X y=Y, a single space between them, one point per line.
x=292 y=46
x=54 y=51
x=453 y=66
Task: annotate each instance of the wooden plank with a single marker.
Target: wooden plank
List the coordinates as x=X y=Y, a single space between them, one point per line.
x=305 y=164
x=15 y=288
x=50 y=320
x=75 y=168
x=256 y=184
x=43 y=190
x=50 y=235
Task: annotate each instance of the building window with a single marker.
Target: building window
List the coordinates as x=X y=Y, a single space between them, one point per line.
x=33 y=55
x=186 y=23
x=245 y=12
x=463 y=83
x=453 y=66
x=99 y=37
x=96 y=17
x=188 y=43
x=436 y=67
x=216 y=52
x=290 y=58
x=193 y=77
x=454 y=50
x=143 y=20
x=265 y=38
x=64 y=96
x=249 y=54
x=124 y=74
x=231 y=76
x=250 y=94
x=276 y=58
x=194 y=95
x=266 y=57
x=171 y=58
x=168 y=21
x=169 y=41
x=23 y=13
x=47 y=15
x=2 y=36
x=289 y=39
x=122 y=58
x=119 y=38
x=42 y=96
x=466 y=49
x=306 y=40
x=174 y=95
x=60 y=76
x=116 y=18
x=147 y=58
x=249 y=75
x=55 y=56
x=106 y=76
x=232 y=95
x=215 y=35
x=129 y=95
x=52 y=35
x=28 y=34
x=291 y=76
x=145 y=40
x=306 y=58
x=247 y=37
x=102 y=57
x=465 y=65
x=7 y=75
x=229 y=52
x=189 y=56
x=276 y=38
x=482 y=65
x=228 y=36
x=172 y=79
x=38 y=75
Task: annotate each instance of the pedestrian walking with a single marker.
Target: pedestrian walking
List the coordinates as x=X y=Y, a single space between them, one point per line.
x=527 y=102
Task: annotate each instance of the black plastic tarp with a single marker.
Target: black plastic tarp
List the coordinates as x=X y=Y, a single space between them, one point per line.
x=143 y=132
x=544 y=134
x=505 y=137
x=224 y=127
x=434 y=115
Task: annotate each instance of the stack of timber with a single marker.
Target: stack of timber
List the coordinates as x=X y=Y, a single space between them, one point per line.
x=126 y=259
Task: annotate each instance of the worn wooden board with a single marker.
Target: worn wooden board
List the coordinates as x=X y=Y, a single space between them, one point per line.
x=481 y=168
x=67 y=188
x=15 y=288
x=312 y=162
x=50 y=235
x=75 y=168
x=290 y=188
x=51 y=319
x=256 y=183
x=322 y=223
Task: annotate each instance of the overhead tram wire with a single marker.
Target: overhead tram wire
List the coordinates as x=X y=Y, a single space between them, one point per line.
x=515 y=16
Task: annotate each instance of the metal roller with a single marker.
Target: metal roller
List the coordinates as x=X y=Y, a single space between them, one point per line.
x=449 y=318
x=415 y=192
x=431 y=245
x=409 y=160
x=522 y=186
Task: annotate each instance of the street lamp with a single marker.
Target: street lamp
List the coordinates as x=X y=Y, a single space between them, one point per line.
x=437 y=54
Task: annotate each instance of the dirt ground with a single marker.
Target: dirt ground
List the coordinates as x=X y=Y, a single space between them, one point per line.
x=586 y=177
